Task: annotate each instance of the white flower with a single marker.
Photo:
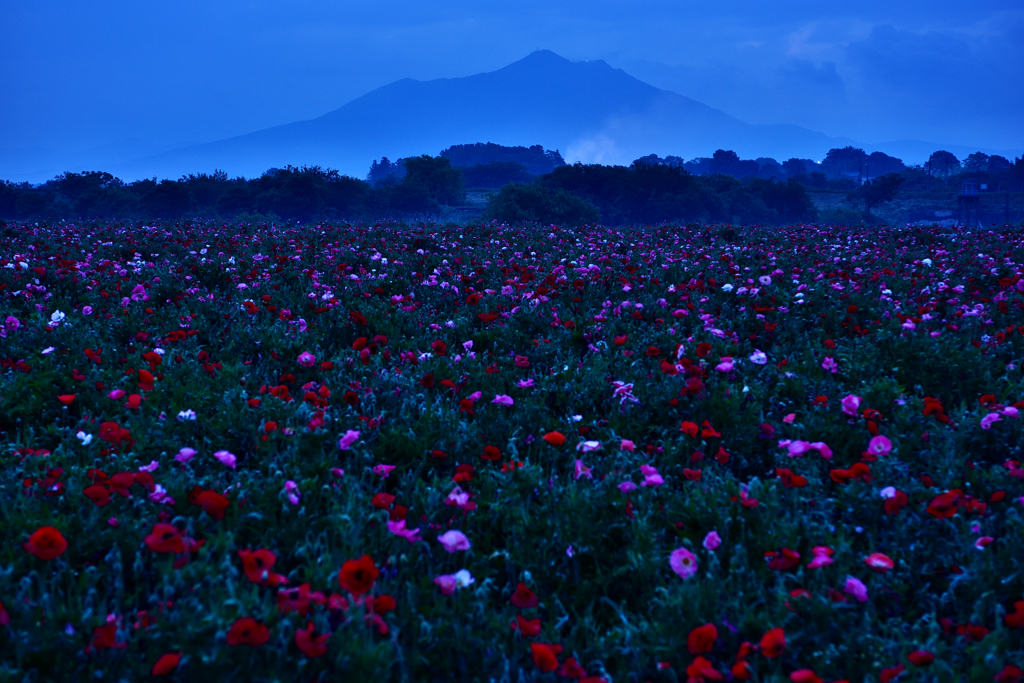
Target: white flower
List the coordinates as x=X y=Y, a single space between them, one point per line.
x=463 y=578
x=86 y=439
x=57 y=317
x=758 y=357
x=187 y=415
x=727 y=287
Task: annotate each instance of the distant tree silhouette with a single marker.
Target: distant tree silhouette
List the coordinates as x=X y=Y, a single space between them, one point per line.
x=944 y=161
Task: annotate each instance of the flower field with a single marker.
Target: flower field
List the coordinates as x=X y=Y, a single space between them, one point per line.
x=388 y=452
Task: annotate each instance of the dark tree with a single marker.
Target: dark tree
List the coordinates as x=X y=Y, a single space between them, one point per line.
x=442 y=183
x=516 y=203
x=944 y=162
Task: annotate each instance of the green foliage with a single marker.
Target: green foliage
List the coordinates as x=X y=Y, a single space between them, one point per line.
x=519 y=203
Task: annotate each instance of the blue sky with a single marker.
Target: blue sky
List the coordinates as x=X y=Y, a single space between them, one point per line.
x=79 y=74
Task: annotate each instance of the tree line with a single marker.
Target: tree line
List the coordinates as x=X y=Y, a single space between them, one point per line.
x=533 y=184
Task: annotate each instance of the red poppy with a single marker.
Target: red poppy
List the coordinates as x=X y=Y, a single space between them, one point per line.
x=702 y=639
x=165 y=538
x=166 y=665
x=690 y=429
x=105 y=638
x=790 y=480
x=248 y=631
x=896 y=503
x=146 y=380
x=545 y=656
x=439 y=347
x=213 y=503
x=921 y=657
x=703 y=349
x=620 y=340
x=571 y=669
x=98 y=494
x=945 y=505
x=257 y=563
x=741 y=671
x=358 y=576
x=46 y=543
x=701 y=670
x=530 y=628
x=783 y=560
x=805 y=676
x=1015 y=619
x=491 y=453
x=708 y=432
x=773 y=643
x=66 y=399
x=382 y=501
x=890 y=674
x=555 y=438
x=524 y=597
x=311 y=645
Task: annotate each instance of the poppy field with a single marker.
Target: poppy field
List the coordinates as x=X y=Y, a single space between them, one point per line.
x=393 y=452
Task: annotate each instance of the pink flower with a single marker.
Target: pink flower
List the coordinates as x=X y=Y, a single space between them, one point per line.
x=627 y=486
x=983 y=542
x=822 y=557
x=588 y=446
x=712 y=541
x=383 y=470
x=185 y=454
x=151 y=467
x=582 y=470
x=880 y=445
x=116 y=394
x=227 y=459
x=453 y=541
x=446 y=583
x=306 y=359
x=1010 y=411
x=726 y=364
x=350 y=437
x=291 y=490
x=851 y=405
x=397 y=527
x=651 y=476
x=856 y=589
x=627 y=445
x=829 y=364
x=880 y=562
x=789 y=419
x=990 y=419
x=798 y=448
x=683 y=562
x=12 y=323
x=503 y=400
x=524 y=383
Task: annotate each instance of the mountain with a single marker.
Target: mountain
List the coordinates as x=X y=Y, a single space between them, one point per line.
x=587 y=110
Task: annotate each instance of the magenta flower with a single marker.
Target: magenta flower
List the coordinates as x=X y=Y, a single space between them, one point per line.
x=856 y=589
x=397 y=527
x=582 y=470
x=712 y=541
x=627 y=486
x=12 y=323
x=350 y=437
x=185 y=454
x=726 y=364
x=383 y=470
x=627 y=445
x=306 y=359
x=683 y=562
x=851 y=405
x=651 y=476
x=227 y=459
x=880 y=445
x=453 y=541
x=829 y=364
x=990 y=419
x=503 y=400
x=822 y=557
